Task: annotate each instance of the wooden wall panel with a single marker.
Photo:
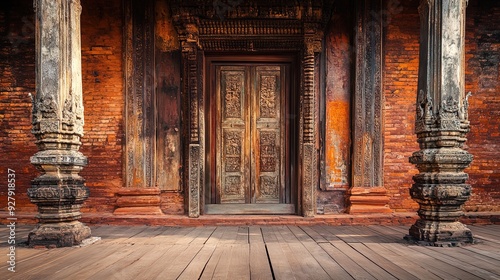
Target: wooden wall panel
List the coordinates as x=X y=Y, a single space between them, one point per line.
x=168 y=101
x=140 y=119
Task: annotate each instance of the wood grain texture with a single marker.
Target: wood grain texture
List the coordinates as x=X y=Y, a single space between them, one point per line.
x=257 y=252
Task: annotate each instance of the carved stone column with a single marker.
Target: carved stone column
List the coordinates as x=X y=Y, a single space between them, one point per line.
x=313 y=45
x=58 y=125
x=189 y=37
x=441 y=125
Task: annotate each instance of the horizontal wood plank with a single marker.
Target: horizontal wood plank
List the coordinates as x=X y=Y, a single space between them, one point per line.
x=259 y=252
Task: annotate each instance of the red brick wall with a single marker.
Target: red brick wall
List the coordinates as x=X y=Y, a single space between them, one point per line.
x=102 y=72
x=482 y=79
x=17 y=79
x=103 y=100
x=400 y=87
x=102 y=94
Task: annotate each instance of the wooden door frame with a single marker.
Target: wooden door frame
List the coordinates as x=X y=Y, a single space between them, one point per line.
x=290 y=61
x=194 y=84
x=202 y=36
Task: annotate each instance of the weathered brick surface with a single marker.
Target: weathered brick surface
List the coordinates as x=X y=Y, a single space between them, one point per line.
x=102 y=69
x=17 y=79
x=102 y=72
x=482 y=79
x=400 y=87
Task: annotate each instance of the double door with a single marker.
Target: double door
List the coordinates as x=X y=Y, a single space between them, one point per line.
x=250 y=141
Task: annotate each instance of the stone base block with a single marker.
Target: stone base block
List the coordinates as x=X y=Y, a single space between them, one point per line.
x=139 y=210
x=58 y=234
x=368 y=200
x=138 y=201
x=441 y=233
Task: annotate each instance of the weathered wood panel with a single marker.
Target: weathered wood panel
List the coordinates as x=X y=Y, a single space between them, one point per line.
x=168 y=130
x=140 y=121
x=168 y=101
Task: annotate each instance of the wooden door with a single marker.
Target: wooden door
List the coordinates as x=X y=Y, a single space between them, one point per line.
x=250 y=144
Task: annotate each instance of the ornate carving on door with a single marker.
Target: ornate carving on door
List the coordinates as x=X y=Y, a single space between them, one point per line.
x=264 y=29
x=250 y=145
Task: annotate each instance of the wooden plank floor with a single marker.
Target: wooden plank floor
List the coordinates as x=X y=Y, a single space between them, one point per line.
x=255 y=252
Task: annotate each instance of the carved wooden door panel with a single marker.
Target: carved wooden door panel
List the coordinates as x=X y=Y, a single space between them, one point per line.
x=267 y=136
x=250 y=134
x=233 y=131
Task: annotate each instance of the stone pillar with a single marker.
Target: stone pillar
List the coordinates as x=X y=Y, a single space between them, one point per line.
x=58 y=125
x=312 y=47
x=192 y=87
x=441 y=125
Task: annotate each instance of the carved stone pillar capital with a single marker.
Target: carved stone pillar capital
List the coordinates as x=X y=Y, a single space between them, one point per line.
x=58 y=125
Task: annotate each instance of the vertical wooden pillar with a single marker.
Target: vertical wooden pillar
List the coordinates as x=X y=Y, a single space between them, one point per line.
x=140 y=121
x=140 y=194
x=441 y=125
x=367 y=194
x=58 y=126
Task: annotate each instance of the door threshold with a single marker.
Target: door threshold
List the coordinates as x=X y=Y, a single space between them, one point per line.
x=250 y=209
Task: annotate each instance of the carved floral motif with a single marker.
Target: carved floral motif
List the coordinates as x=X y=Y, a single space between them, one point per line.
x=232 y=185
x=76 y=192
x=232 y=96
x=232 y=164
x=268 y=96
x=194 y=180
x=232 y=143
x=268 y=154
x=268 y=187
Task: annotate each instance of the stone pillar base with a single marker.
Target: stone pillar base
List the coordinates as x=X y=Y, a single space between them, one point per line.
x=58 y=234
x=368 y=200
x=139 y=201
x=440 y=233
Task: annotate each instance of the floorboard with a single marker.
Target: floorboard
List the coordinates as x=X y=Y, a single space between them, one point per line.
x=493 y=230
x=418 y=265
x=350 y=266
x=367 y=264
x=178 y=261
x=240 y=262
x=433 y=265
x=329 y=265
x=117 y=269
x=211 y=265
x=450 y=259
x=257 y=252
x=394 y=265
x=195 y=268
x=259 y=262
x=281 y=267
